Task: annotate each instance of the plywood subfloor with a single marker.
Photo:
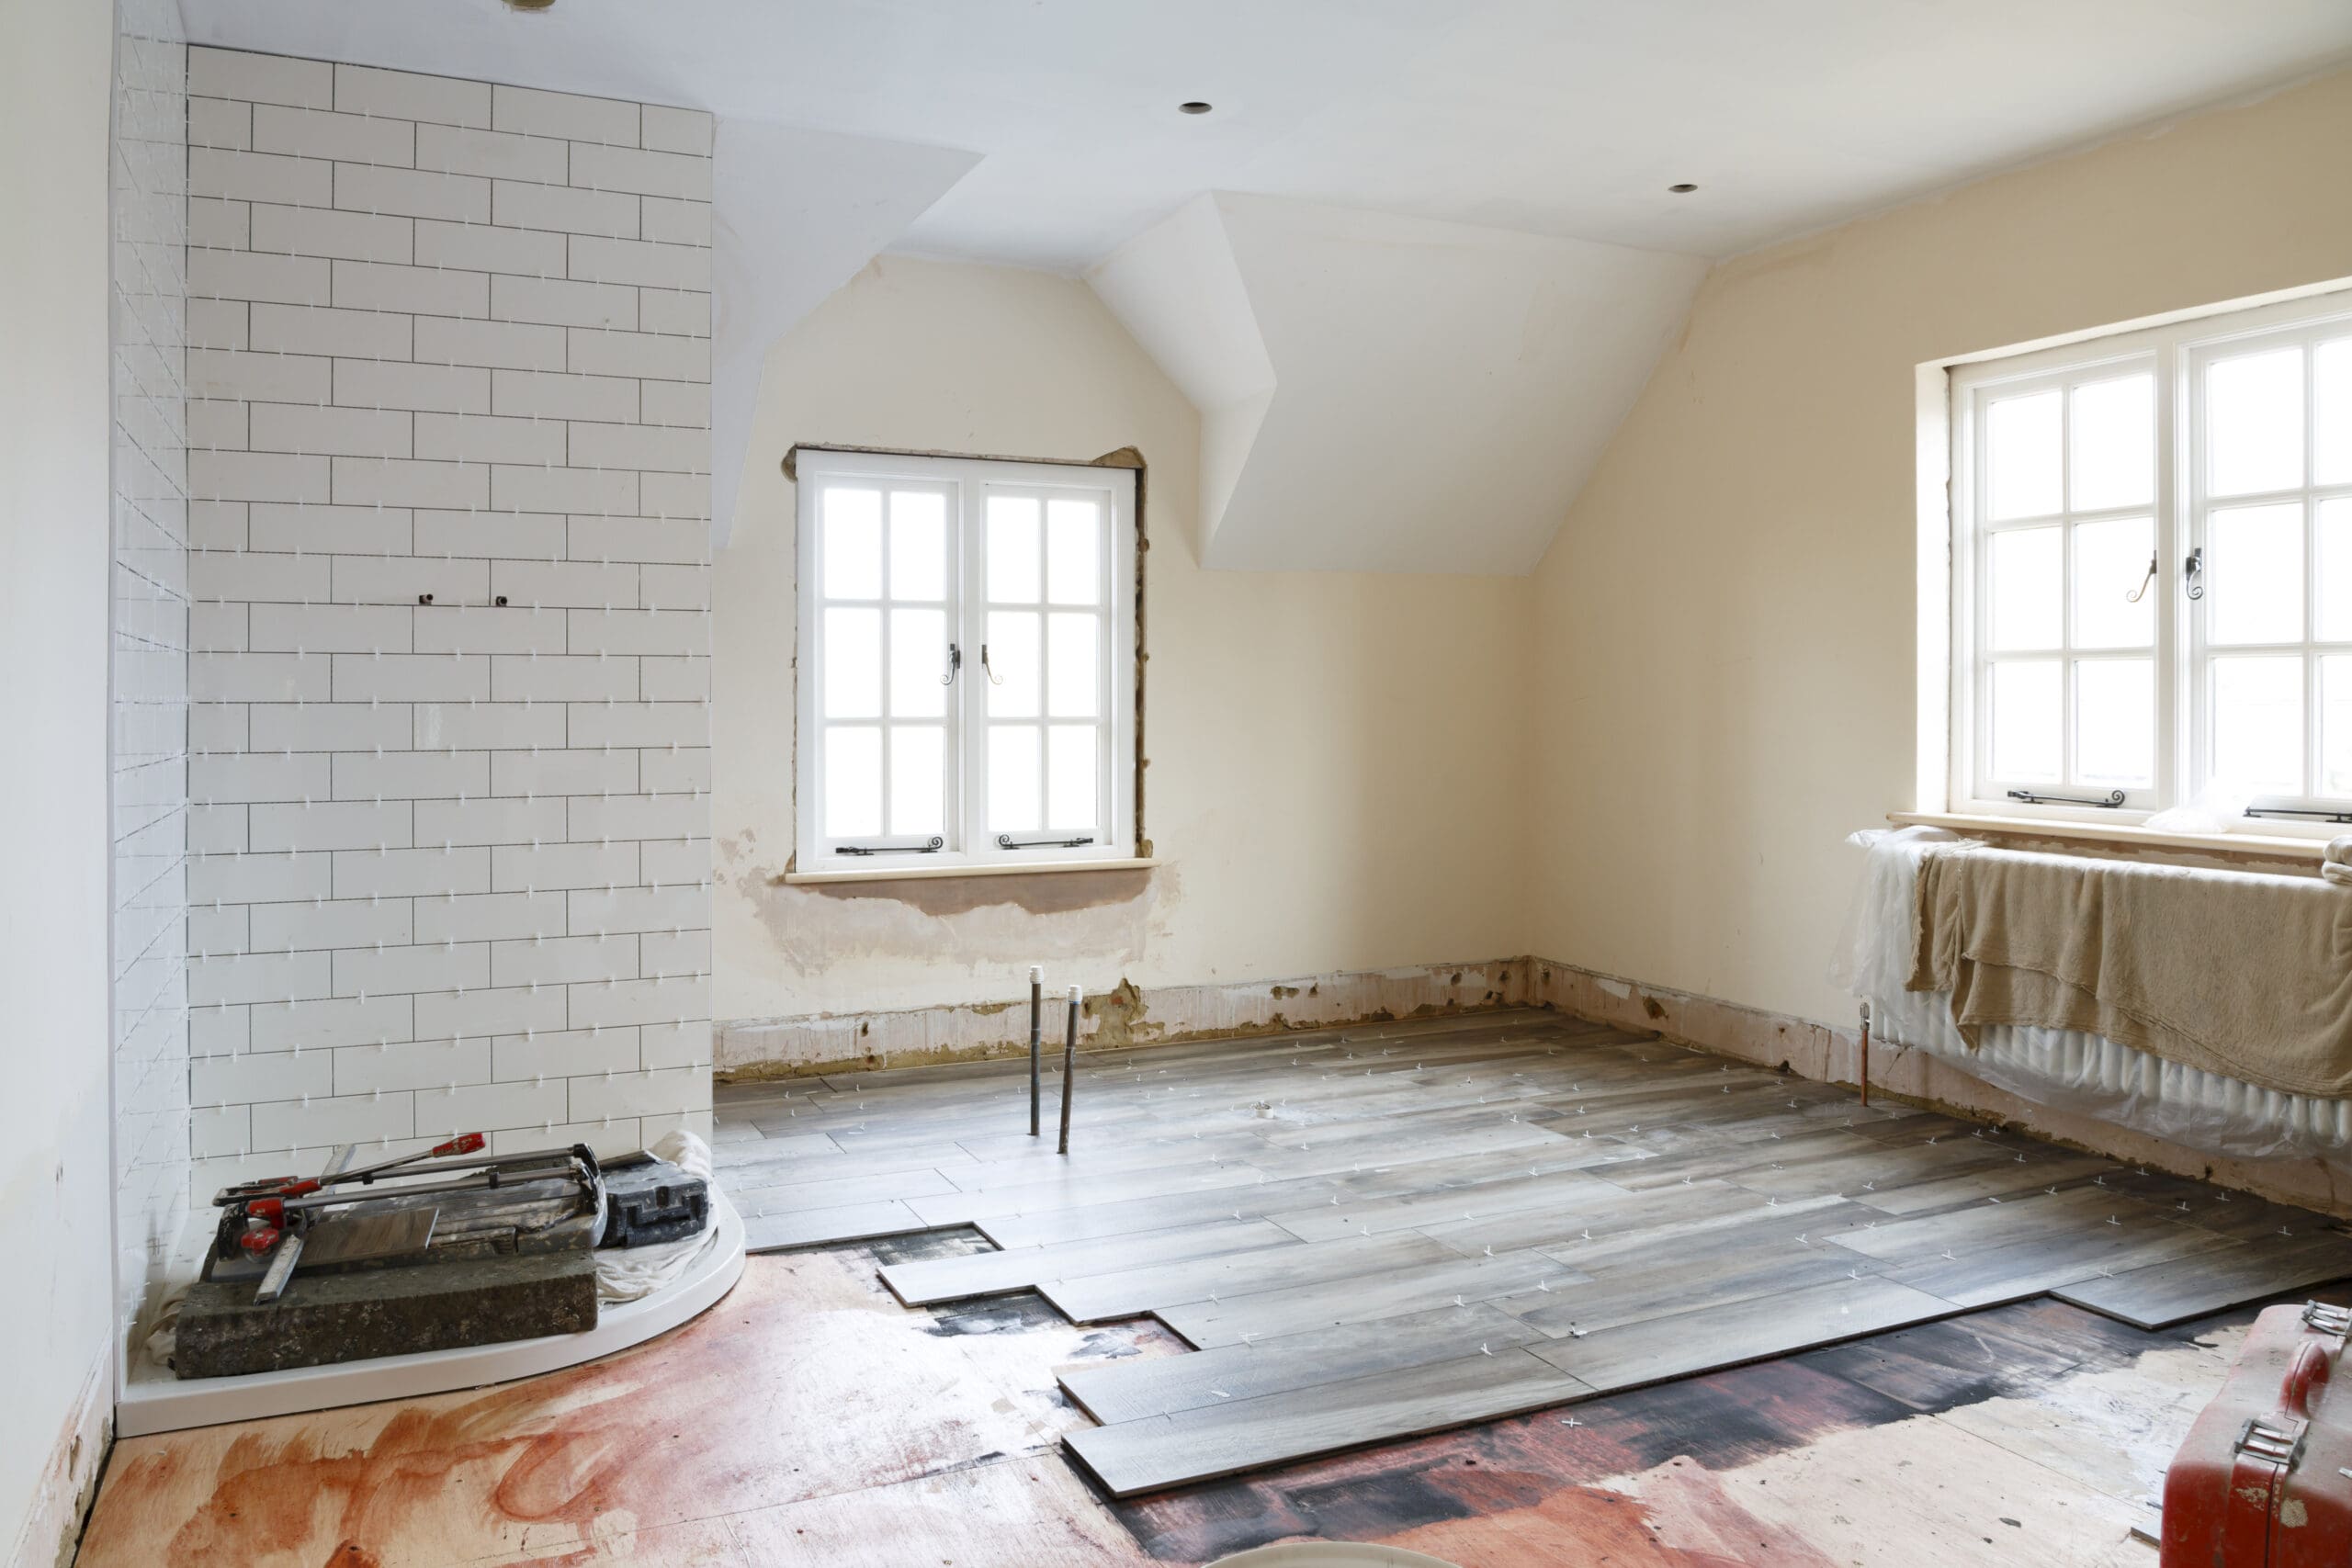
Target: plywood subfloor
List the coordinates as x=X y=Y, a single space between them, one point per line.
x=1374 y=1233
x=810 y=1418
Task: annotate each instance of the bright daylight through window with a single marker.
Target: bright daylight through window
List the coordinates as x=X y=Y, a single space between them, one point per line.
x=2153 y=570
x=967 y=672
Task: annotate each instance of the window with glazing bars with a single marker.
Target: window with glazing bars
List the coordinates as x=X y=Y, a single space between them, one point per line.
x=2153 y=569
x=967 y=661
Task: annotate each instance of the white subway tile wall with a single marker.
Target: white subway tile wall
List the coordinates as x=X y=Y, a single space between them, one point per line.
x=449 y=857
x=151 y=620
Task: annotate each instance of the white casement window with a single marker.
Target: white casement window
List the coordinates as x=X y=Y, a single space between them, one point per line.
x=967 y=661
x=2151 y=571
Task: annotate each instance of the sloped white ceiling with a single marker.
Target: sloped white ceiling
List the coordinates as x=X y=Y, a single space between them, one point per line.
x=1390 y=394
x=1418 y=377
x=793 y=215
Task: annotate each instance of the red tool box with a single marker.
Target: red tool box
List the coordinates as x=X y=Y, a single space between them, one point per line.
x=2265 y=1478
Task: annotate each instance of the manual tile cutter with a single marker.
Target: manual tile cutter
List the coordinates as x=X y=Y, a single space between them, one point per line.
x=272 y=1222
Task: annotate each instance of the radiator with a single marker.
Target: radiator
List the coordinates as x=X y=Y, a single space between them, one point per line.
x=2064 y=1070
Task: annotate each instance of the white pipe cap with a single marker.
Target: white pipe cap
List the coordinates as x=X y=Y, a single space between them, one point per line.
x=1073 y=996
x=1036 y=973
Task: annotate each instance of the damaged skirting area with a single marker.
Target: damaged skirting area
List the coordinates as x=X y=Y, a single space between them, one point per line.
x=1128 y=1015
x=1833 y=1055
x=70 y=1482
x=786 y=1047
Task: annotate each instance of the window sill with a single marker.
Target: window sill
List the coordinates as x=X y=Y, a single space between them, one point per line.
x=2264 y=846
x=937 y=873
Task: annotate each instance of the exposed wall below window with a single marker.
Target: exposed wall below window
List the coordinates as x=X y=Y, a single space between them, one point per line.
x=1337 y=760
x=1724 y=668
x=449 y=342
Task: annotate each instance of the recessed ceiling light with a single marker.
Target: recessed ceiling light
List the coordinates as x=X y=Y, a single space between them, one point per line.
x=529 y=4
x=1684 y=189
x=1195 y=106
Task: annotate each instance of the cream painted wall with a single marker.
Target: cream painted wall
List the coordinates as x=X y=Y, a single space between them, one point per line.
x=1724 y=655
x=1338 y=764
x=56 y=88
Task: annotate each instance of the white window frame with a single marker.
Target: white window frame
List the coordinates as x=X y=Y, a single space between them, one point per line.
x=967 y=841
x=2176 y=352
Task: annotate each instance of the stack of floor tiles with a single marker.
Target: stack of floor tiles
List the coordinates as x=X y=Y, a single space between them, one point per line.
x=1381 y=1233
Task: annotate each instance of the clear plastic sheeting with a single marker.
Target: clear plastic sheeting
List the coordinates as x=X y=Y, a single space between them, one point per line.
x=2064 y=1070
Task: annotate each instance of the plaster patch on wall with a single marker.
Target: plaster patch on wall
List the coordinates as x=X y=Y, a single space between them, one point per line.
x=1045 y=892
x=1123 y=1015
x=1096 y=918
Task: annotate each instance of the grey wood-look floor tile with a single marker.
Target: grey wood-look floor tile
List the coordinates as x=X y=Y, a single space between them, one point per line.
x=2069 y=1212
x=1238 y=1435
x=2161 y=1295
x=1631 y=1280
x=928 y=1281
x=2011 y=1268
x=1667 y=1210
x=1131 y=1292
x=1161 y=1211
x=1656 y=1349
x=1266 y=1314
x=2041 y=1170
x=1496 y=1195
x=1076 y=1190
x=1145 y=1386
x=824 y=1227
x=839 y=1191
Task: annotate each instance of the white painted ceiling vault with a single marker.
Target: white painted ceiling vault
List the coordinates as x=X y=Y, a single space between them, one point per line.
x=1439 y=227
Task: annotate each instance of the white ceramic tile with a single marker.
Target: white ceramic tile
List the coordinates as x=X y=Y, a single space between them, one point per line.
x=598 y=260
x=559 y=209
x=318 y=133
x=536 y=113
x=668 y=358
x=543 y=160
x=323 y=231
x=402 y=95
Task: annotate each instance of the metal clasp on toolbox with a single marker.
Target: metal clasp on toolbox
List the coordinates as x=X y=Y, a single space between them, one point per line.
x=2271 y=1440
x=2325 y=1319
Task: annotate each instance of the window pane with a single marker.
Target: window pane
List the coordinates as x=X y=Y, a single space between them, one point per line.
x=2335 y=726
x=2110 y=565
x=2114 y=435
x=1012 y=549
x=1013 y=658
x=1069 y=776
x=1012 y=778
x=918 y=544
x=918 y=659
x=2258 y=723
x=2332 y=409
x=2022 y=453
x=2027 y=709
x=2025 y=589
x=2255 y=575
x=852 y=543
x=2115 y=722
x=853 y=781
x=2334 y=522
x=918 y=779
x=2254 y=407
x=852 y=663
x=1074 y=552
x=1073 y=681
